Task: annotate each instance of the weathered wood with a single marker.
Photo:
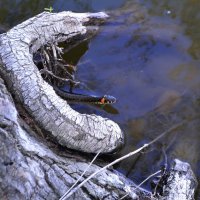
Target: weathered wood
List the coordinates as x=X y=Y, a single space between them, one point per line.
x=88 y=133
x=181 y=183
x=30 y=169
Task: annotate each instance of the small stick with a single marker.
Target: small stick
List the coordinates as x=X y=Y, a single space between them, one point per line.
x=80 y=176
x=124 y=157
x=54 y=51
x=159 y=171
x=63 y=66
x=42 y=71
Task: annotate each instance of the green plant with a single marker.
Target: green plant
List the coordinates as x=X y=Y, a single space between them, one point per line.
x=50 y=9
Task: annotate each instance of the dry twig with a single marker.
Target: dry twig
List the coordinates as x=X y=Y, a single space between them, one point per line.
x=123 y=158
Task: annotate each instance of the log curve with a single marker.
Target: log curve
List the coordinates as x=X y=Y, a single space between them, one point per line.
x=88 y=133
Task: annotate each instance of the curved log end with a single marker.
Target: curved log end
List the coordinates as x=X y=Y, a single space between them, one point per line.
x=98 y=135
x=88 y=133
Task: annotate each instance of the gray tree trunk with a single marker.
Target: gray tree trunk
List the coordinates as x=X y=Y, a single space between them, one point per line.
x=30 y=166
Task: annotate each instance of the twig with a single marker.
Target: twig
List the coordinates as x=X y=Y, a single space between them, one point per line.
x=64 y=66
x=124 y=157
x=42 y=71
x=47 y=59
x=159 y=171
x=62 y=198
x=53 y=61
x=164 y=172
x=54 y=51
x=59 y=50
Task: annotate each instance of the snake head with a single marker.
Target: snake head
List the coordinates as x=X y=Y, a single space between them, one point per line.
x=107 y=99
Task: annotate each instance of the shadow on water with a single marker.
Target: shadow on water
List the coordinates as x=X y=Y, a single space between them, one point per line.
x=147 y=56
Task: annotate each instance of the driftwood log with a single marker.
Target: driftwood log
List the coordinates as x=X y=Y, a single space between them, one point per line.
x=31 y=167
x=89 y=133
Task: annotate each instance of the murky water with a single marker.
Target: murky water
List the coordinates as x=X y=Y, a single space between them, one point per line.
x=148 y=56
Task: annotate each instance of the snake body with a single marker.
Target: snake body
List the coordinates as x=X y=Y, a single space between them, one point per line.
x=75 y=97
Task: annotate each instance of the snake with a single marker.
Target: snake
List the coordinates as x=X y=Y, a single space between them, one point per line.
x=76 y=97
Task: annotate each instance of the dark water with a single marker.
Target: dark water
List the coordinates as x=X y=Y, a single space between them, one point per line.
x=148 y=56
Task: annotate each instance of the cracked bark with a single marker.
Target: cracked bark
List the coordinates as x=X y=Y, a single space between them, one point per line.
x=88 y=133
x=30 y=167
x=181 y=183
